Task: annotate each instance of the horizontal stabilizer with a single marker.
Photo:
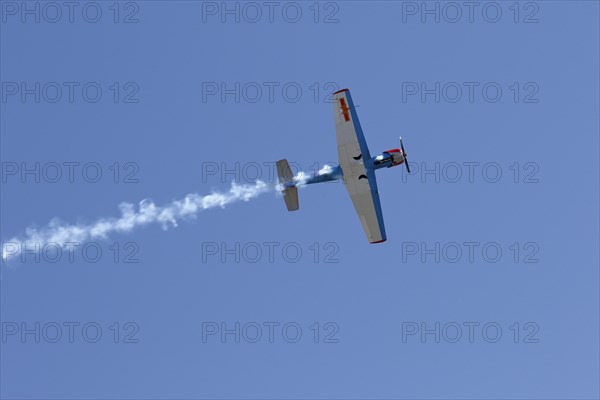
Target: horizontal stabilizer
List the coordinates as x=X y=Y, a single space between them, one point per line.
x=286 y=179
x=290 y=195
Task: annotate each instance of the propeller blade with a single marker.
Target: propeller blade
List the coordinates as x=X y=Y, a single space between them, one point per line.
x=404 y=155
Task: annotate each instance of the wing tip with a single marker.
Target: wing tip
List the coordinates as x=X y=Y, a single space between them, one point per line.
x=340 y=91
x=379 y=241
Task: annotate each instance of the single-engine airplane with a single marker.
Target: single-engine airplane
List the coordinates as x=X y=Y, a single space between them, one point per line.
x=356 y=168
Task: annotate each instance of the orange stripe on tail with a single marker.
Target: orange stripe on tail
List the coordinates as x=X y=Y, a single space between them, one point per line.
x=345 y=109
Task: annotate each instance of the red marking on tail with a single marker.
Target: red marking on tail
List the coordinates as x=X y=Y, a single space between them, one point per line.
x=345 y=109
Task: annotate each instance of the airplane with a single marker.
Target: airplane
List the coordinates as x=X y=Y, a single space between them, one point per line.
x=356 y=168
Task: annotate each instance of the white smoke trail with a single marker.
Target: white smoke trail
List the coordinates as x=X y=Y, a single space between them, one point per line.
x=147 y=213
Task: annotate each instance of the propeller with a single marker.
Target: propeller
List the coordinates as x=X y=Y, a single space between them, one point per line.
x=404 y=155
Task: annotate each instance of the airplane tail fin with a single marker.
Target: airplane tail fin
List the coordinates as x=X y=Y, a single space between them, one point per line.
x=290 y=191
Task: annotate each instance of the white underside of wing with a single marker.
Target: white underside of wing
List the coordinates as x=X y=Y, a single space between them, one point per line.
x=355 y=175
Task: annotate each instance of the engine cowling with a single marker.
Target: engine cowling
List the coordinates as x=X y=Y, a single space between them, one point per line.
x=389 y=158
x=397 y=157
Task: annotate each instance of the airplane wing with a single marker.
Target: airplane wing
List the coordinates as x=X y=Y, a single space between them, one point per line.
x=360 y=182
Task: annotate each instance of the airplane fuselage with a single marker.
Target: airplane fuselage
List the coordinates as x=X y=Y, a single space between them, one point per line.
x=387 y=159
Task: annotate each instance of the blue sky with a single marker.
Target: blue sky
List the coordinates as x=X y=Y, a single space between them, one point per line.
x=162 y=127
